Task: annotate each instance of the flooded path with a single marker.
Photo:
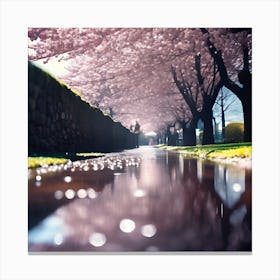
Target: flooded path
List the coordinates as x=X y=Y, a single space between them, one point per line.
x=144 y=199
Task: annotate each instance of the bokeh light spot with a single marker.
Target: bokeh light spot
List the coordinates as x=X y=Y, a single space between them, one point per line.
x=236 y=187
x=70 y=194
x=58 y=239
x=127 y=225
x=58 y=195
x=82 y=193
x=97 y=239
x=148 y=230
x=91 y=193
x=139 y=193
x=38 y=178
x=67 y=179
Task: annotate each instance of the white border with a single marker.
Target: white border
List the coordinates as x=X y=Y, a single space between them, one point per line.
x=16 y=16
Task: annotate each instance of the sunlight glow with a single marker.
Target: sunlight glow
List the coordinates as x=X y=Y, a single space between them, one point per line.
x=150 y=133
x=54 y=67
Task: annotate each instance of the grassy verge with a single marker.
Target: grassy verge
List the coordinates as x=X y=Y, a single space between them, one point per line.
x=90 y=154
x=37 y=161
x=43 y=161
x=215 y=151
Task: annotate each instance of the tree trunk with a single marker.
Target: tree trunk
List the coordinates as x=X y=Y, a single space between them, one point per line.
x=189 y=135
x=223 y=117
x=208 y=136
x=245 y=78
x=245 y=96
x=247 y=115
x=223 y=125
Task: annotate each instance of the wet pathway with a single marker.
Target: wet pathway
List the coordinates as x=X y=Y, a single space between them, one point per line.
x=144 y=199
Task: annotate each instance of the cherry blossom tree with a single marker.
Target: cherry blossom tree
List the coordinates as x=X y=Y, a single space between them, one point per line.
x=241 y=86
x=181 y=116
x=205 y=90
x=127 y=70
x=209 y=94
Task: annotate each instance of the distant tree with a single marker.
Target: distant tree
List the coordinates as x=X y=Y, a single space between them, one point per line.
x=181 y=114
x=225 y=100
x=234 y=132
x=190 y=95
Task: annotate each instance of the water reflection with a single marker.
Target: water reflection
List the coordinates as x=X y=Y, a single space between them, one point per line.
x=143 y=200
x=229 y=184
x=38 y=178
x=48 y=232
x=58 y=239
x=139 y=193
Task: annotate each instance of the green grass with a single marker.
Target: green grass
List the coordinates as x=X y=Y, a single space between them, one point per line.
x=38 y=161
x=161 y=146
x=90 y=154
x=42 y=161
x=221 y=151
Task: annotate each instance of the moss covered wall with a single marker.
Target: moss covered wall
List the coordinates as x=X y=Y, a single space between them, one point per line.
x=60 y=121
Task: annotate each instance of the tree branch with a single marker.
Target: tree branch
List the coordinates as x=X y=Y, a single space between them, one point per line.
x=216 y=92
x=217 y=56
x=213 y=80
x=184 y=91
